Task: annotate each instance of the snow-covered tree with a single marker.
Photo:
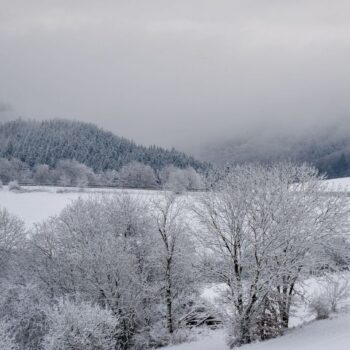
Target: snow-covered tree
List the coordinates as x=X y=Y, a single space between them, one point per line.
x=24 y=308
x=43 y=175
x=80 y=326
x=180 y=180
x=110 y=178
x=137 y=175
x=14 y=169
x=267 y=228
x=73 y=173
x=176 y=252
x=103 y=249
x=12 y=236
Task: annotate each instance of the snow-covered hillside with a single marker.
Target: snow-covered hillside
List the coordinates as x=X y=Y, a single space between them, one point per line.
x=319 y=335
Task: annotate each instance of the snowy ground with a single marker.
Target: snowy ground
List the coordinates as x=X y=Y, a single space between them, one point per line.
x=332 y=334
x=340 y=184
x=35 y=204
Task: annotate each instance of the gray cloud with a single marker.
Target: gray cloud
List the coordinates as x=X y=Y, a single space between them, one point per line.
x=5 y=107
x=178 y=73
x=6 y=111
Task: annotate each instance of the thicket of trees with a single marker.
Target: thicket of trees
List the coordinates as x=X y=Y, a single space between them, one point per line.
x=75 y=174
x=107 y=273
x=121 y=272
x=48 y=142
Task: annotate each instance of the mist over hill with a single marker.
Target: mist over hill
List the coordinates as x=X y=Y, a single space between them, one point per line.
x=325 y=146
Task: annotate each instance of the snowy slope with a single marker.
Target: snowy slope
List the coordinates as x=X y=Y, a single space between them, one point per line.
x=213 y=341
x=319 y=335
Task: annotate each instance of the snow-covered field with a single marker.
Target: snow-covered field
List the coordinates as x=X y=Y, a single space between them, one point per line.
x=339 y=184
x=37 y=204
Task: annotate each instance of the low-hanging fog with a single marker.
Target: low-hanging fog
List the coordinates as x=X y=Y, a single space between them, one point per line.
x=177 y=73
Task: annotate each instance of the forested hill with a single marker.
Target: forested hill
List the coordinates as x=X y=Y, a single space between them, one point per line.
x=47 y=142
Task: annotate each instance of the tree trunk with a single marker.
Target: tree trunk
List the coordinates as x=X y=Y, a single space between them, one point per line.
x=244 y=334
x=169 y=299
x=285 y=306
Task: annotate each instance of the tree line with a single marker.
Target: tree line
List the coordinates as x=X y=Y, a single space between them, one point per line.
x=74 y=174
x=122 y=272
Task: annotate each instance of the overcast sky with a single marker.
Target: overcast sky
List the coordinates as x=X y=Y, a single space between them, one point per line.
x=180 y=72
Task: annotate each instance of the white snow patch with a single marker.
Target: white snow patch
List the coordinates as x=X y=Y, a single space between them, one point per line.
x=342 y=184
x=318 y=335
x=215 y=340
x=36 y=204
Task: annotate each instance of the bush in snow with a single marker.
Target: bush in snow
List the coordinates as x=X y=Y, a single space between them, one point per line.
x=181 y=335
x=80 y=326
x=334 y=291
x=320 y=306
x=337 y=290
x=14 y=186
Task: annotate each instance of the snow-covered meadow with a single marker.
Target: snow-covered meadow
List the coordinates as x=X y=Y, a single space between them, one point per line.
x=35 y=204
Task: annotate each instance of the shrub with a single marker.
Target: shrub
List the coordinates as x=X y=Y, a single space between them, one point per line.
x=14 y=186
x=80 y=326
x=320 y=306
x=336 y=291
